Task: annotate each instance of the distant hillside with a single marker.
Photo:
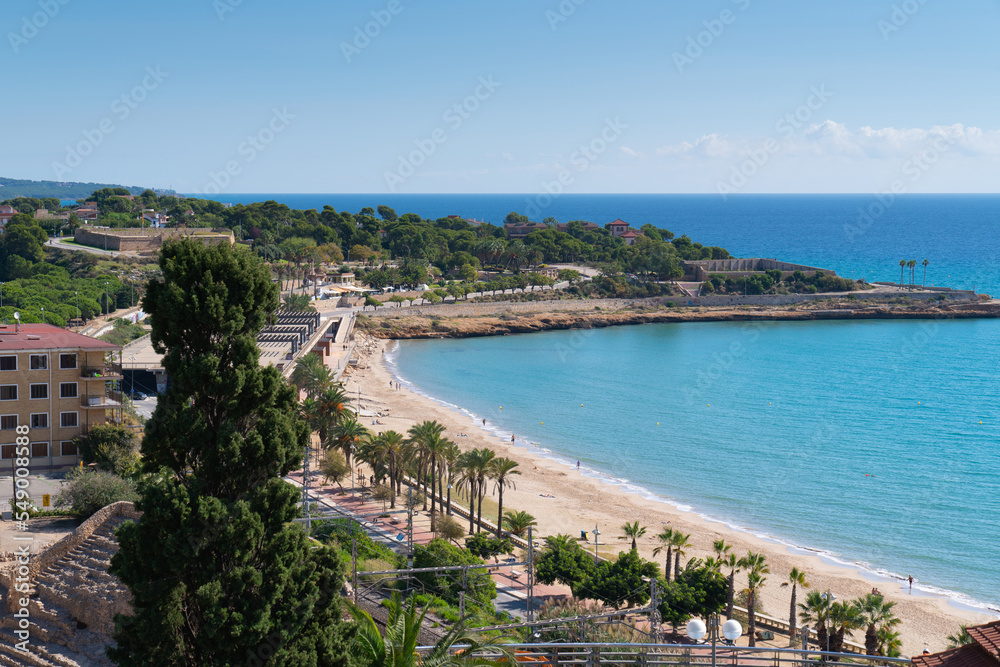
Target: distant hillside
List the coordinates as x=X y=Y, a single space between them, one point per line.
x=12 y=187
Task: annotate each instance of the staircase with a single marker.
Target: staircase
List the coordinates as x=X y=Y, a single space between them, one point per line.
x=74 y=600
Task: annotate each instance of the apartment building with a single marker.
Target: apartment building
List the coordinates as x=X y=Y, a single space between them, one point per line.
x=59 y=384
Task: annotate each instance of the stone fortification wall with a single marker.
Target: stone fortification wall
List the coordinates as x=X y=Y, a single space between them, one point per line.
x=138 y=240
x=700 y=270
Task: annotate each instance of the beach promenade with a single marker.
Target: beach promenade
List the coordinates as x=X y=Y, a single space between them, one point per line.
x=356 y=502
x=567 y=501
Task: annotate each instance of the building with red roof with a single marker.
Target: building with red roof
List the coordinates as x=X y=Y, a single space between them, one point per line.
x=983 y=651
x=55 y=385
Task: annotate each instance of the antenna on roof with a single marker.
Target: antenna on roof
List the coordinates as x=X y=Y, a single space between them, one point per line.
x=17 y=321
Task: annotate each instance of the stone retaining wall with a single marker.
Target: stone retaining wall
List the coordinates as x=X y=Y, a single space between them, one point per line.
x=61 y=548
x=473 y=309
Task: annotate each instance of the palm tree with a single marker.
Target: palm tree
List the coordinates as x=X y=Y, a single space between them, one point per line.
x=721 y=549
x=902 y=265
x=756 y=567
x=890 y=645
x=475 y=465
x=398 y=648
x=518 y=522
x=421 y=435
x=732 y=561
x=298 y=303
x=912 y=264
x=815 y=611
x=311 y=375
x=450 y=461
x=796 y=578
x=876 y=613
x=681 y=542
x=667 y=540
x=960 y=638
x=436 y=447
x=845 y=617
x=346 y=435
x=502 y=471
x=326 y=409
x=925 y=263
x=633 y=531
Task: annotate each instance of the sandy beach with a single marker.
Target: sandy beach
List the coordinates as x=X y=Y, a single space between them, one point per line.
x=567 y=501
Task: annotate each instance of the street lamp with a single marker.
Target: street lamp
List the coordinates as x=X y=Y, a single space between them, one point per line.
x=107 y=297
x=77 y=295
x=43 y=314
x=731 y=631
x=596 y=534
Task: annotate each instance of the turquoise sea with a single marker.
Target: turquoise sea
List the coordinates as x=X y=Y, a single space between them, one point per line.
x=872 y=442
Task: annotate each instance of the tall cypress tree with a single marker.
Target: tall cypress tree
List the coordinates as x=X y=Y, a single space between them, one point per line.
x=219 y=573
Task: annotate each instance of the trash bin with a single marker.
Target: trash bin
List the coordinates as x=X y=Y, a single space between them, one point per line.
x=584 y=536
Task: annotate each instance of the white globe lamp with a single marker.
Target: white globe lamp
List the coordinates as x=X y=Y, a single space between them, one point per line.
x=696 y=629
x=732 y=630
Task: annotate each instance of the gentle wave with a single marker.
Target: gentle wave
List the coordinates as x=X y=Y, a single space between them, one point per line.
x=390 y=360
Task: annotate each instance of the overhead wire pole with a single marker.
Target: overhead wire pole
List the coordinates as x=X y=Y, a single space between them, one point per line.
x=531 y=577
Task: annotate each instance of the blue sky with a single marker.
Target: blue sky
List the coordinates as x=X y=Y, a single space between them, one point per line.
x=730 y=96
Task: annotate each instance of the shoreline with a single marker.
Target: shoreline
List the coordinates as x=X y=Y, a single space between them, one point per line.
x=579 y=499
x=498 y=318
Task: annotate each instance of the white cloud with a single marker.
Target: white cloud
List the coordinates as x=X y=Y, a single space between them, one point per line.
x=832 y=139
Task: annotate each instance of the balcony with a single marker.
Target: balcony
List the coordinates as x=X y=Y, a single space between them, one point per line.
x=106 y=372
x=100 y=402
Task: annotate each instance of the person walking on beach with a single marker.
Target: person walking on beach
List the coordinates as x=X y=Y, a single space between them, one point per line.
x=911 y=584
x=484 y=421
x=512 y=437
x=577 y=465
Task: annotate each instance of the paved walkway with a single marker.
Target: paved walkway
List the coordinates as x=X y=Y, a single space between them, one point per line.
x=511 y=581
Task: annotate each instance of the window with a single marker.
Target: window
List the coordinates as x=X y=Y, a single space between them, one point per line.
x=40 y=420
x=67 y=390
x=39 y=362
x=8 y=392
x=8 y=363
x=39 y=450
x=7 y=451
x=68 y=448
x=68 y=419
x=8 y=422
x=39 y=391
x=67 y=361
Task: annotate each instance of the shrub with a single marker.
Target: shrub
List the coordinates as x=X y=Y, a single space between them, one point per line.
x=448 y=528
x=90 y=490
x=480 y=586
x=112 y=447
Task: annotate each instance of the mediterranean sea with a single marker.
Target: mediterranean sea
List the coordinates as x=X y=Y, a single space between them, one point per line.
x=872 y=441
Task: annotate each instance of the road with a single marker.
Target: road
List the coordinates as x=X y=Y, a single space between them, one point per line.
x=61 y=245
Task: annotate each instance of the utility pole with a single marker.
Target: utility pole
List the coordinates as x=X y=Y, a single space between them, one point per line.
x=654 y=615
x=354 y=563
x=305 y=490
x=531 y=577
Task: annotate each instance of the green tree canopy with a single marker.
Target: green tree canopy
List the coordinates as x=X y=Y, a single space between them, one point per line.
x=218 y=571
